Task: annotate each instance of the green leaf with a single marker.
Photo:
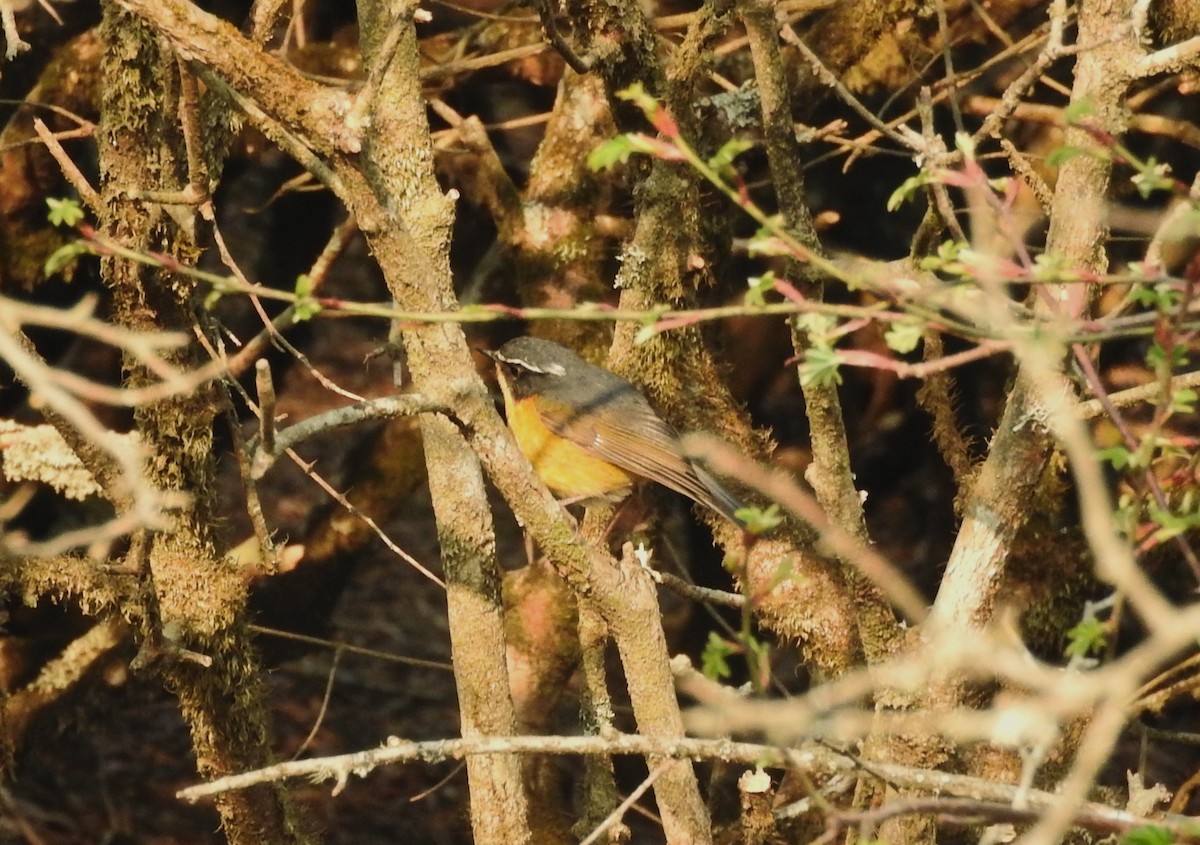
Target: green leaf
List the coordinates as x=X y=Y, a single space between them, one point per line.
x=1059 y=155
x=1175 y=359
x=817 y=326
x=1149 y=834
x=950 y=250
x=305 y=307
x=820 y=367
x=63 y=256
x=645 y=334
x=907 y=189
x=612 y=152
x=947 y=256
x=1000 y=184
x=759 y=286
x=650 y=327
x=1172 y=524
x=722 y=160
x=1160 y=297
x=764 y=242
x=714 y=660
x=1088 y=637
x=1152 y=176
x=1049 y=267
x=1183 y=401
x=1118 y=456
x=760 y=520
x=964 y=144
x=637 y=94
x=903 y=337
x=64 y=212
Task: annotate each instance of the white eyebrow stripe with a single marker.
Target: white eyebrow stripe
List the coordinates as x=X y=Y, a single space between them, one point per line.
x=551 y=370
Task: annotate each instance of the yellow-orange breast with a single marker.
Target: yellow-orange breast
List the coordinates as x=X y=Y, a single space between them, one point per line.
x=563 y=466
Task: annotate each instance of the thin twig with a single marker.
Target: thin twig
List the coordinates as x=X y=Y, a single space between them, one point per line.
x=830 y=80
x=620 y=810
x=577 y=63
x=317 y=275
x=349 y=648
x=74 y=175
x=698 y=593
x=779 y=487
x=337 y=496
x=266 y=401
x=383 y=408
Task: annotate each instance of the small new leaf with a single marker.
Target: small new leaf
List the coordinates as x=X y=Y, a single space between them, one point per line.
x=659 y=117
x=764 y=243
x=1176 y=358
x=1183 y=401
x=63 y=256
x=1088 y=637
x=645 y=334
x=820 y=367
x=1172 y=524
x=612 y=152
x=714 y=660
x=946 y=258
x=305 y=306
x=903 y=337
x=1160 y=297
x=964 y=144
x=907 y=189
x=650 y=324
x=1065 y=153
x=637 y=94
x=722 y=160
x=758 y=287
x=1118 y=456
x=64 y=212
x=639 y=142
x=1152 y=176
x=817 y=326
x=1149 y=834
x=760 y=520
x=1049 y=267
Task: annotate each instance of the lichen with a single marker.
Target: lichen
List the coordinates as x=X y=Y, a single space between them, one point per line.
x=39 y=453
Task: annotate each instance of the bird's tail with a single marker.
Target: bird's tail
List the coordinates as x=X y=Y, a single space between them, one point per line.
x=718 y=498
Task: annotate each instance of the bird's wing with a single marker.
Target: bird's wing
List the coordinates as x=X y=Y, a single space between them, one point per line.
x=633 y=437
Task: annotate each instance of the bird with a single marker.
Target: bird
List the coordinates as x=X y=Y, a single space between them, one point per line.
x=589 y=433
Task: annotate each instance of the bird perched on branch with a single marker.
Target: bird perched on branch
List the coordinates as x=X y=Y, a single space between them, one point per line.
x=590 y=434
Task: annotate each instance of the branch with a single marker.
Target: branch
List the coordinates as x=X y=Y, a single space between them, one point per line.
x=812 y=759
x=1174 y=59
x=124 y=479
x=383 y=408
x=316 y=113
